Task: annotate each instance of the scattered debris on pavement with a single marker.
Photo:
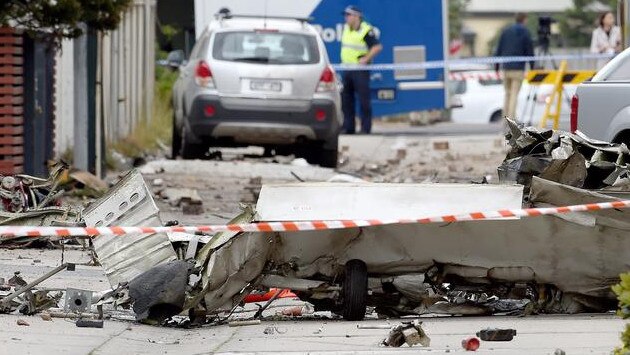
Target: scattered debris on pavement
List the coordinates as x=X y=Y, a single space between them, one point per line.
x=45 y=316
x=494 y=334
x=32 y=201
x=27 y=302
x=89 y=323
x=471 y=344
x=87 y=184
x=569 y=159
x=493 y=270
x=410 y=333
x=241 y=323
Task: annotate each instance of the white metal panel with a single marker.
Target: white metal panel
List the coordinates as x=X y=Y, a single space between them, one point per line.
x=330 y=201
x=550 y=249
x=129 y=203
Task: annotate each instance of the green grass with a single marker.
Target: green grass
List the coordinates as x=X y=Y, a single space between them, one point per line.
x=622 y=290
x=146 y=135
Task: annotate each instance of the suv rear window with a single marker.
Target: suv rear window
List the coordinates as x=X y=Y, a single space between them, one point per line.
x=266 y=47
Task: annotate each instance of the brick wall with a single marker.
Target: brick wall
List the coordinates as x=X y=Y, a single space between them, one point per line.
x=11 y=102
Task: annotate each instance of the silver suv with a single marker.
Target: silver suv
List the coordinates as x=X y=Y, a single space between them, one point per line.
x=258 y=81
x=601 y=107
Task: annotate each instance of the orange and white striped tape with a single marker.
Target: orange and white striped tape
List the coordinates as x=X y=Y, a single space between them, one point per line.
x=28 y=231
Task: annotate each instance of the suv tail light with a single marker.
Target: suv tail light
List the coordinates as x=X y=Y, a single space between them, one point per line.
x=575 y=104
x=203 y=75
x=327 y=80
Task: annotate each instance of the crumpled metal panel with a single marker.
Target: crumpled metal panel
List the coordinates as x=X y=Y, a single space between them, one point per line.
x=233 y=266
x=229 y=262
x=160 y=292
x=129 y=203
x=575 y=257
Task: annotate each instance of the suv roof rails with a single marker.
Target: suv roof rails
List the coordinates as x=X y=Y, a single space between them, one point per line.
x=230 y=15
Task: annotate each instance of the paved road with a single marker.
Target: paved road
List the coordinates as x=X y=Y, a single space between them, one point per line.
x=438 y=129
x=596 y=334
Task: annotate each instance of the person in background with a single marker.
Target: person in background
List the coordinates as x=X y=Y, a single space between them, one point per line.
x=359 y=45
x=515 y=41
x=606 y=38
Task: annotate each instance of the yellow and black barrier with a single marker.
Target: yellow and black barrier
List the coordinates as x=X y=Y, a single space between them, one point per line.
x=557 y=78
x=540 y=77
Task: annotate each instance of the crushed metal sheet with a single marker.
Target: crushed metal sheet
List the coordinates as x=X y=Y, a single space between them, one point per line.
x=570 y=159
x=78 y=300
x=160 y=292
x=128 y=203
x=31 y=201
x=410 y=333
x=90 y=181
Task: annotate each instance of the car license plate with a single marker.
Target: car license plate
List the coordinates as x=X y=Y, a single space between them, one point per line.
x=265 y=85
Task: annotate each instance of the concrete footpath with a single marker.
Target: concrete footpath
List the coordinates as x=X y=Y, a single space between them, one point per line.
x=584 y=334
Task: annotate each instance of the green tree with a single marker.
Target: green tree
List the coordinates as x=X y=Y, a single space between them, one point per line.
x=62 y=18
x=622 y=290
x=456 y=9
x=578 y=22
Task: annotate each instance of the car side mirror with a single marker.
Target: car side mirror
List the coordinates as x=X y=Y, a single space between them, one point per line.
x=175 y=59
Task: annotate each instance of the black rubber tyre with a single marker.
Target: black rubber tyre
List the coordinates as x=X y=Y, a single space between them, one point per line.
x=497 y=116
x=192 y=151
x=355 y=290
x=328 y=158
x=623 y=137
x=268 y=152
x=176 y=142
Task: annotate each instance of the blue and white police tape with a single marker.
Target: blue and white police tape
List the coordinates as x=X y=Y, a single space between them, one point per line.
x=455 y=63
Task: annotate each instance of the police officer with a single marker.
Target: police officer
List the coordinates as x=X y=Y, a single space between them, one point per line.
x=359 y=45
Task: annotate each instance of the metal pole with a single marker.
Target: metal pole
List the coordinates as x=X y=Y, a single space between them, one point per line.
x=5 y=301
x=80 y=153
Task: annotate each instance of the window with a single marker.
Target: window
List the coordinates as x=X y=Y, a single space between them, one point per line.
x=621 y=73
x=457 y=87
x=201 y=47
x=266 y=47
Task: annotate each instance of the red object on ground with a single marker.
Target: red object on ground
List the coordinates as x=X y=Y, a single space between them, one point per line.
x=263 y=297
x=470 y=344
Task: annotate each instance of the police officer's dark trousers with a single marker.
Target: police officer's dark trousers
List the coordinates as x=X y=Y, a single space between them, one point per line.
x=356 y=81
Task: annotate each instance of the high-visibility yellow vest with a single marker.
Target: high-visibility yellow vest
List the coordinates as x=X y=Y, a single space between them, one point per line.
x=353 y=44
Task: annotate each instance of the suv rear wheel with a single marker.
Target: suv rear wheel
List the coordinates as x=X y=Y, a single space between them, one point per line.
x=317 y=154
x=191 y=150
x=328 y=158
x=497 y=116
x=176 y=141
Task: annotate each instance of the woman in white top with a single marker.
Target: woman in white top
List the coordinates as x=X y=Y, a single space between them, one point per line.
x=606 y=37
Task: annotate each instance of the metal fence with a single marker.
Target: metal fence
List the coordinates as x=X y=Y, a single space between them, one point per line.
x=124 y=78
